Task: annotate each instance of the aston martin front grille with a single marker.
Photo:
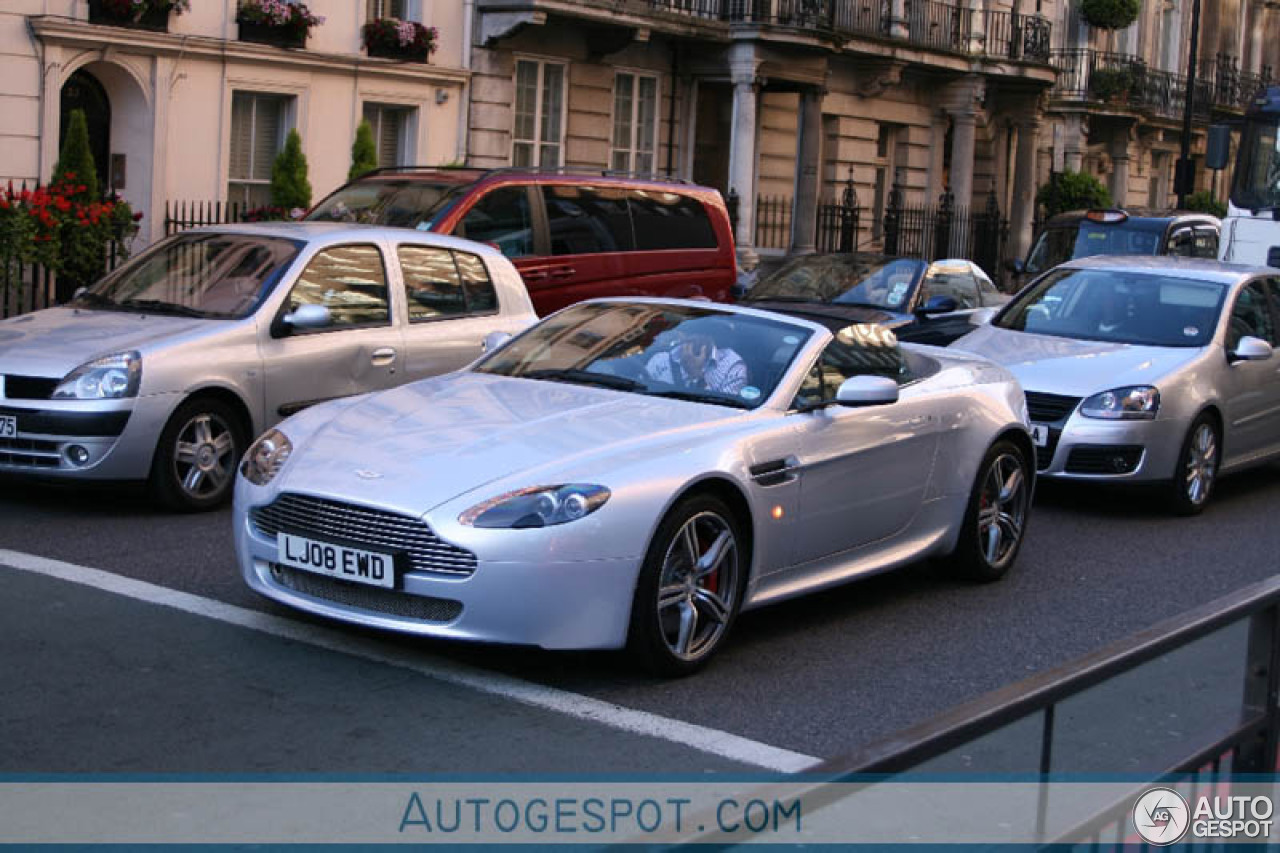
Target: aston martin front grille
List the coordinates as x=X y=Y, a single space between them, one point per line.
x=422 y=607
x=363 y=526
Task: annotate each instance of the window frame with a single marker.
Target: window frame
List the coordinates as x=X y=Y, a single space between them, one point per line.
x=377 y=9
x=468 y=311
x=280 y=330
x=405 y=136
x=633 y=149
x=288 y=104
x=538 y=112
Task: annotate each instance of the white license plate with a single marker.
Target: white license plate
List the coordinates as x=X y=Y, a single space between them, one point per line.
x=336 y=561
x=1040 y=434
x=8 y=426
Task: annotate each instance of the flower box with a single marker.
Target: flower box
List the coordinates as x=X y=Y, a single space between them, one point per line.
x=407 y=41
x=272 y=35
x=275 y=22
x=135 y=14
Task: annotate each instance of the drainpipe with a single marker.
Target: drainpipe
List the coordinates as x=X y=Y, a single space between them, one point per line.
x=671 y=112
x=464 y=126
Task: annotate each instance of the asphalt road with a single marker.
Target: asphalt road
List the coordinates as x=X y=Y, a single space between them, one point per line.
x=820 y=676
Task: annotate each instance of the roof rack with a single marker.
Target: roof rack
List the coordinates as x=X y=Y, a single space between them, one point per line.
x=528 y=170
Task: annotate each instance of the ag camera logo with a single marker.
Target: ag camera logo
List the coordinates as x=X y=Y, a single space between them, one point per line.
x=1160 y=816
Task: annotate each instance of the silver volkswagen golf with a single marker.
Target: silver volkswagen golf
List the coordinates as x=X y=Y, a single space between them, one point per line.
x=1145 y=370
x=165 y=369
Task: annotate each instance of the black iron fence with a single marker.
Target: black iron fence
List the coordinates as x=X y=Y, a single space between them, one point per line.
x=181 y=215
x=1017 y=36
x=946 y=230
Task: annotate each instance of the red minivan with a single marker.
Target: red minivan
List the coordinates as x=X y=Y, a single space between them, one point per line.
x=572 y=236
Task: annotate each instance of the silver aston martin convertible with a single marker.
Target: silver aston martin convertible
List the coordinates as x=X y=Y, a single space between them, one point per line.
x=635 y=473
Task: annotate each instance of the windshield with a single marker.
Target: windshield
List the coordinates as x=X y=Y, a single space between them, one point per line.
x=1257 y=178
x=1121 y=307
x=197 y=274
x=871 y=280
x=401 y=204
x=1054 y=247
x=674 y=351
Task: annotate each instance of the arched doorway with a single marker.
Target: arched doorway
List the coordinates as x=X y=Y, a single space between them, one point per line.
x=83 y=91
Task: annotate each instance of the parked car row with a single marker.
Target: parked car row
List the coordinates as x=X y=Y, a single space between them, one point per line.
x=627 y=472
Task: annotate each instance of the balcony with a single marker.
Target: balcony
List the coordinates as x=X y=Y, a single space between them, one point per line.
x=1121 y=81
x=929 y=24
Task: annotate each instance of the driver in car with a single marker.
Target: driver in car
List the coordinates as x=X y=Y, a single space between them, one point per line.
x=696 y=363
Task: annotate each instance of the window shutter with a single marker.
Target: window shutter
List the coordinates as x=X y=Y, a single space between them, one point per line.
x=266 y=135
x=389 y=138
x=241 y=135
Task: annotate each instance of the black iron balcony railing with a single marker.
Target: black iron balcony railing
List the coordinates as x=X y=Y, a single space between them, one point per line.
x=929 y=23
x=1127 y=82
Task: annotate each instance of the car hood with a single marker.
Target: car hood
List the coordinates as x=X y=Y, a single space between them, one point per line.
x=55 y=341
x=1078 y=368
x=833 y=315
x=422 y=444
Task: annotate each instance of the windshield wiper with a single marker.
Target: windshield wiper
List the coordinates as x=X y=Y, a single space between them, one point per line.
x=750 y=298
x=584 y=377
x=160 y=306
x=96 y=299
x=700 y=397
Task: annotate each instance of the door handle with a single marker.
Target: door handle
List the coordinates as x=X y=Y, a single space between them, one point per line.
x=563 y=272
x=382 y=357
x=535 y=275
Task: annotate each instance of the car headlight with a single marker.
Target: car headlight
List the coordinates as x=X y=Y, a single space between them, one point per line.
x=111 y=377
x=265 y=457
x=540 y=506
x=1134 y=403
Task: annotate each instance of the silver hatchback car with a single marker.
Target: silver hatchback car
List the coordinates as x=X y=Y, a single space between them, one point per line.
x=1151 y=370
x=166 y=368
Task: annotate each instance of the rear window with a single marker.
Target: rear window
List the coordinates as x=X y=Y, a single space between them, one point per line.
x=1096 y=238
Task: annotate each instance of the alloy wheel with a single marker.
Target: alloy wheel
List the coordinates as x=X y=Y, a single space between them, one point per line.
x=1002 y=509
x=1202 y=463
x=698 y=585
x=204 y=455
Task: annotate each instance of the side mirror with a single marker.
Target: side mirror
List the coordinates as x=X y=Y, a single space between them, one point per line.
x=308 y=317
x=867 y=391
x=738 y=290
x=494 y=340
x=1218 y=150
x=1251 y=349
x=939 y=305
x=1018 y=265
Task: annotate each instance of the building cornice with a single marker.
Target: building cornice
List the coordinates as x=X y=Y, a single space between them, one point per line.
x=74 y=33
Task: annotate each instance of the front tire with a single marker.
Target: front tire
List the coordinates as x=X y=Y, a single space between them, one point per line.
x=690 y=588
x=1197 y=469
x=995 y=523
x=195 y=462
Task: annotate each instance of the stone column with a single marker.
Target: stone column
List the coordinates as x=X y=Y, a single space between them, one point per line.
x=1118 y=180
x=1074 y=141
x=1023 y=208
x=742 y=146
x=963 y=131
x=898 y=28
x=804 y=211
x=977 y=26
x=165 y=71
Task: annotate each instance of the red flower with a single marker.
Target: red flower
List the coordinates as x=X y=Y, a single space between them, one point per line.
x=137 y=217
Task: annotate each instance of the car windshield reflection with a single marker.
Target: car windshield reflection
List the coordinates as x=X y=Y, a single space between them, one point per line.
x=868 y=280
x=1118 y=307
x=673 y=351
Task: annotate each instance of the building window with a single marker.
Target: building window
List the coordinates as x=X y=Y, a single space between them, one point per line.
x=635 y=122
x=405 y=10
x=886 y=174
x=391 y=132
x=538 y=135
x=258 y=126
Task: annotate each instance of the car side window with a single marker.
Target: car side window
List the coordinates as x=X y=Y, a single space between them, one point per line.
x=1251 y=316
x=501 y=218
x=481 y=296
x=1182 y=242
x=350 y=281
x=587 y=220
x=860 y=350
x=1206 y=242
x=989 y=293
x=432 y=286
x=954 y=280
x=666 y=220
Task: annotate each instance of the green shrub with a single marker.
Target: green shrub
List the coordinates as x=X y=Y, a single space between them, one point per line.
x=289 y=185
x=1108 y=83
x=1072 y=191
x=1204 y=202
x=1110 y=14
x=364 y=153
x=75 y=165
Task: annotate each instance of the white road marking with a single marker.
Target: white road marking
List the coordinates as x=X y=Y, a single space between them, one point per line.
x=697 y=737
